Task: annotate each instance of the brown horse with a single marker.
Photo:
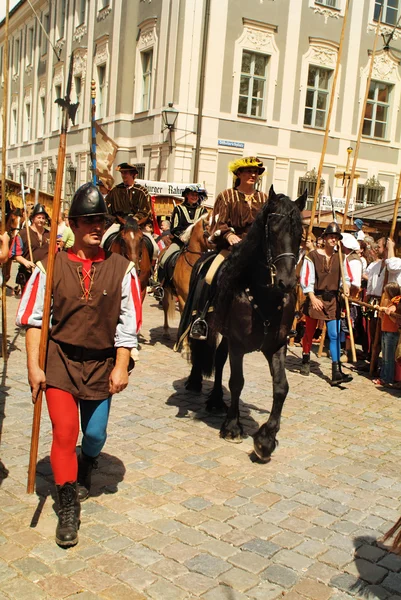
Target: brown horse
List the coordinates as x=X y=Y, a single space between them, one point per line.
x=196 y=236
x=130 y=242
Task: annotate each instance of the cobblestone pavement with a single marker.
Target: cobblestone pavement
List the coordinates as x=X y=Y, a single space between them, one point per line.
x=179 y=513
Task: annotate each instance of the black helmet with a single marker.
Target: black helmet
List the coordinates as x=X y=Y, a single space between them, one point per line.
x=39 y=209
x=334 y=229
x=87 y=202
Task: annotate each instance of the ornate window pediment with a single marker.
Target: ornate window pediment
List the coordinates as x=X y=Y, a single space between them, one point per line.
x=80 y=60
x=328 y=8
x=147 y=34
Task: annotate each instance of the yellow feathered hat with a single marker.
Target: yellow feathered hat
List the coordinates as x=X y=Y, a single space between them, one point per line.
x=243 y=163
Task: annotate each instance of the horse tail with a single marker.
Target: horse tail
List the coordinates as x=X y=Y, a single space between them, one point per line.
x=203 y=353
x=169 y=304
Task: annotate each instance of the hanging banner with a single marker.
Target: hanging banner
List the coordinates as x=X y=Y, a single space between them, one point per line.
x=339 y=204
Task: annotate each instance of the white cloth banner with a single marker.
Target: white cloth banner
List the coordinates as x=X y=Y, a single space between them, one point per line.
x=164 y=188
x=339 y=204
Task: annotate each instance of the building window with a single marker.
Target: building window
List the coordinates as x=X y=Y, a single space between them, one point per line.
x=16 y=57
x=377 y=107
x=370 y=193
x=147 y=61
x=57 y=108
x=103 y=4
x=27 y=122
x=81 y=12
x=330 y=3
x=45 y=21
x=41 y=116
x=14 y=126
x=252 y=84
x=101 y=100
x=389 y=13
x=309 y=182
x=61 y=19
x=78 y=96
x=141 y=170
x=29 y=46
x=317 y=95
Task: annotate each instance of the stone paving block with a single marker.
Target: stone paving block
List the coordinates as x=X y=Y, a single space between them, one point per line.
x=195 y=583
x=249 y=561
x=218 y=548
x=261 y=547
x=122 y=592
x=239 y=579
x=321 y=572
x=311 y=548
x=196 y=503
x=168 y=569
x=112 y=564
x=392 y=582
x=223 y=592
x=282 y=576
x=313 y=590
x=210 y=566
x=266 y=591
x=371 y=553
x=137 y=578
x=32 y=568
x=348 y=583
x=68 y=566
x=390 y=561
x=140 y=555
x=20 y=589
x=164 y=590
x=180 y=552
x=293 y=560
x=366 y=570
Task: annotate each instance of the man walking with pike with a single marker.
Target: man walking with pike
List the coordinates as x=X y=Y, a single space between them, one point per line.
x=96 y=313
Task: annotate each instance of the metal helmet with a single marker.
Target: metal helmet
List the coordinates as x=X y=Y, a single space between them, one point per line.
x=87 y=202
x=333 y=229
x=39 y=209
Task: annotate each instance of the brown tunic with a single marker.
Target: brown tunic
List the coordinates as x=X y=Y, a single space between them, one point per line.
x=327 y=283
x=40 y=248
x=125 y=201
x=87 y=326
x=234 y=212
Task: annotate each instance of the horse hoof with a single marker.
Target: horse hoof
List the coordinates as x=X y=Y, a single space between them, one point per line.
x=237 y=440
x=232 y=433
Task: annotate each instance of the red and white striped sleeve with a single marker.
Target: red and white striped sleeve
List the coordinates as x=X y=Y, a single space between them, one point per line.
x=130 y=319
x=30 y=309
x=307 y=277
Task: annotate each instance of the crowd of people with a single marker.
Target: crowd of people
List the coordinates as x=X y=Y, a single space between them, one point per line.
x=83 y=372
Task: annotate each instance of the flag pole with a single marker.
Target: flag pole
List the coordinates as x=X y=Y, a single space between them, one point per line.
x=69 y=111
x=93 y=121
x=3 y=183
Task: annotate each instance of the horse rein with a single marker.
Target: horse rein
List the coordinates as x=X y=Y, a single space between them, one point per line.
x=186 y=250
x=270 y=261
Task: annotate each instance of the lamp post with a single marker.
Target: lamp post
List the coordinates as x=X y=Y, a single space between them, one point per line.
x=169 y=116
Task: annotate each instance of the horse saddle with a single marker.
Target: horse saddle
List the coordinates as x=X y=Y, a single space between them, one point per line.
x=169 y=265
x=149 y=246
x=109 y=241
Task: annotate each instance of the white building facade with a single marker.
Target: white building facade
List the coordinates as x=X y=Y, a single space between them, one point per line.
x=247 y=78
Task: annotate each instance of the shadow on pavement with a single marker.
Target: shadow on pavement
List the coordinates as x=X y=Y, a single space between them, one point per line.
x=374 y=572
x=105 y=480
x=193 y=405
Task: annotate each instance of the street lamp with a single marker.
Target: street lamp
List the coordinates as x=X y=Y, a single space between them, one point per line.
x=169 y=116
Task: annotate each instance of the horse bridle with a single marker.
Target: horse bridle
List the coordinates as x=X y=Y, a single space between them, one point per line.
x=270 y=261
x=186 y=250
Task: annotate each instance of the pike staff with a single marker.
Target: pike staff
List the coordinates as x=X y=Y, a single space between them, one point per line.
x=3 y=182
x=69 y=112
x=28 y=233
x=93 y=121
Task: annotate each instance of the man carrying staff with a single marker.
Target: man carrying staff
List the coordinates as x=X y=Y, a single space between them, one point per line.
x=88 y=354
x=39 y=241
x=320 y=282
x=128 y=199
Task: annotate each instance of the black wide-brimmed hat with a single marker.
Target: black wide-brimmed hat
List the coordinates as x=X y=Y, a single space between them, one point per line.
x=39 y=209
x=87 y=202
x=333 y=229
x=190 y=188
x=127 y=167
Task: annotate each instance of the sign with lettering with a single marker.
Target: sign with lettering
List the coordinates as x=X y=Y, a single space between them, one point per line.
x=231 y=144
x=162 y=188
x=339 y=204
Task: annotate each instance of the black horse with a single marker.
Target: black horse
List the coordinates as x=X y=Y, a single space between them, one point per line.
x=254 y=307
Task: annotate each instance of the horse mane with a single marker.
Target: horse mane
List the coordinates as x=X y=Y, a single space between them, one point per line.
x=236 y=268
x=188 y=232
x=131 y=223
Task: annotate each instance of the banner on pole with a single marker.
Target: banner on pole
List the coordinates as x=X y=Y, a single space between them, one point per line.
x=339 y=204
x=106 y=150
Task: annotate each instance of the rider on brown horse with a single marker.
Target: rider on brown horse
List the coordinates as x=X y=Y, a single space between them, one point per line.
x=184 y=215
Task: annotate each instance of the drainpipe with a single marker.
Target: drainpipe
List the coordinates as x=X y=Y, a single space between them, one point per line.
x=201 y=90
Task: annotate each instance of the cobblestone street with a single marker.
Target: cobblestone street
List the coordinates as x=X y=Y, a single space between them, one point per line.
x=178 y=513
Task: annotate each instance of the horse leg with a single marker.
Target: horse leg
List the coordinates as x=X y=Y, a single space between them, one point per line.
x=168 y=310
x=265 y=440
x=232 y=430
x=215 y=401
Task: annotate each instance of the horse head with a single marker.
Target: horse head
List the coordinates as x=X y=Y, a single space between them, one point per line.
x=197 y=235
x=132 y=236
x=14 y=222
x=282 y=239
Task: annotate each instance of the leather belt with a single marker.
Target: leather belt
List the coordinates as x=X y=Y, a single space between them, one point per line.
x=78 y=354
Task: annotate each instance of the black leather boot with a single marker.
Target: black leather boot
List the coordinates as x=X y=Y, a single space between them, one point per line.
x=346 y=378
x=305 y=367
x=337 y=376
x=68 y=515
x=85 y=466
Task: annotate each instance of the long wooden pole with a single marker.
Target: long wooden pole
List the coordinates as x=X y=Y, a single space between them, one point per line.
x=28 y=232
x=346 y=301
x=327 y=130
x=3 y=182
x=374 y=355
x=49 y=282
x=358 y=141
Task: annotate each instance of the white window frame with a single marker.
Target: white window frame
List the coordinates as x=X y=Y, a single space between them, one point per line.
x=321 y=53
x=78 y=92
x=102 y=60
x=16 y=56
x=147 y=80
x=258 y=38
x=147 y=42
x=14 y=124
x=44 y=41
x=103 y=4
x=30 y=45
x=375 y=104
x=386 y=69
x=41 y=115
x=322 y=7
x=387 y=10
x=61 y=19
x=81 y=12
x=316 y=91
x=57 y=93
x=252 y=77
x=27 y=120
x=101 y=91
